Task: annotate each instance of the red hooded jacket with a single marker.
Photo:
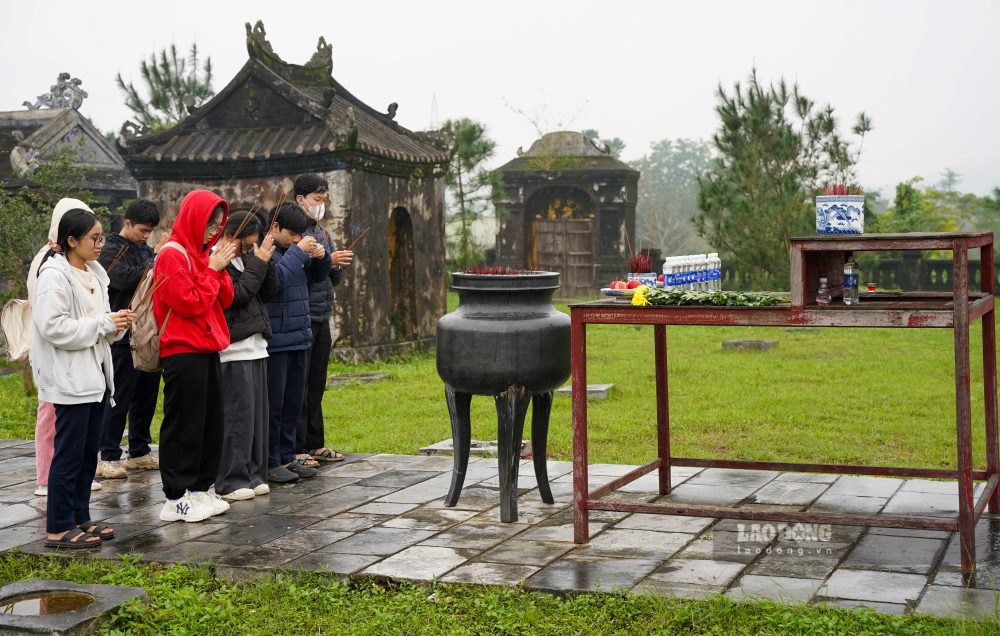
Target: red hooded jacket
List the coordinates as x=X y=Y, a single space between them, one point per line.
x=197 y=295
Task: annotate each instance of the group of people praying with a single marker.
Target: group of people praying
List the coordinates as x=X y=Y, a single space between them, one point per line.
x=242 y=306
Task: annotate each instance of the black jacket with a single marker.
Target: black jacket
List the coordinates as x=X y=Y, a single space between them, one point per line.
x=127 y=271
x=321 y=290
x=254 y=286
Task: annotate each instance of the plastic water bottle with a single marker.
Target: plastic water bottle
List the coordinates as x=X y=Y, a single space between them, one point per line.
x=823 y=293
x=715 y=268
x=703 y=272
x=850 y=281
x=668 y=271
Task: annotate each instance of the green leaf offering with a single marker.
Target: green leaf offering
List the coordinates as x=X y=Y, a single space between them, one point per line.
x=668 y=297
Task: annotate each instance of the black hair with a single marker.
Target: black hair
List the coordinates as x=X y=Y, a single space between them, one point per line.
x=290 y=217
x=308 y=183
x=76 y=223
x=236 y=220
x=219 y=210
x=117 y=223
x=142 y=212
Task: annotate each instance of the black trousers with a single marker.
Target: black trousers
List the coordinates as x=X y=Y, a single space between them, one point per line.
x=309 y=435
x=74 y=463
x=286 y=375
x=191 y=434
x=136 y=393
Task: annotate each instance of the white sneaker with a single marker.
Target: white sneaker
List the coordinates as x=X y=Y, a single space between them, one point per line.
x=212 y=501
x=187 y=508
x=261 y=489
x=94 y=485
x=240 y=494
x=148 y=461
x=111 y=470
x=42 y=491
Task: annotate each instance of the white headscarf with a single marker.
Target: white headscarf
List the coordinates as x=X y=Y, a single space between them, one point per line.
x=64 y=206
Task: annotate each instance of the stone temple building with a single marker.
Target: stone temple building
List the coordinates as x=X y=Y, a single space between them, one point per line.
x=569 y=206
x=52 y=122
x=275 y=120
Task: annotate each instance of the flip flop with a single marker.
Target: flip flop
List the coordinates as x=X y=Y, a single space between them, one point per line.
x=306 y=460
x=71 y=541
x=327 y=455
x=99 y=530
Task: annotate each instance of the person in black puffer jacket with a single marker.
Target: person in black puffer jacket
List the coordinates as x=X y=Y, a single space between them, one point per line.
x=126 y=257
x=243 y=460
x=311 y=194
x=298 y=260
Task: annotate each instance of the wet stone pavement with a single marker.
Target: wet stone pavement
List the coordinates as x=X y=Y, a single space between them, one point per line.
x=383 y=516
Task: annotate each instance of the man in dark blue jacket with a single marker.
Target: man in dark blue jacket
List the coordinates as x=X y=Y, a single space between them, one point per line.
x=126 y=258
x=311 y=195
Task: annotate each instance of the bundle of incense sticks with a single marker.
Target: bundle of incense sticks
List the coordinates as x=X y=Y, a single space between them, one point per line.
x=158 y=282
x=131 y=302
x=277 y=209
x=246 y=220
x=360 y=236
x=117 y=258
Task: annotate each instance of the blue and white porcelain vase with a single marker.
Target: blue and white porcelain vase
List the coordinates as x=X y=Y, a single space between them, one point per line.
x=840 y=214
x=648 y=278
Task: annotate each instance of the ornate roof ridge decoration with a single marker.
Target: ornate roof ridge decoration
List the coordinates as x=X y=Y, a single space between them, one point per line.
x=316 y=71
x=565 y=151
x=67 y=92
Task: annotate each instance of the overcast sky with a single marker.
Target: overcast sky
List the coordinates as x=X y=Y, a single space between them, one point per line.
x=926 y=72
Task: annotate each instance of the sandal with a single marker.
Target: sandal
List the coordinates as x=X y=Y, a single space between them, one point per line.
x=327 y=455
x=72 y=541
x=98 y=530
x=306 y=460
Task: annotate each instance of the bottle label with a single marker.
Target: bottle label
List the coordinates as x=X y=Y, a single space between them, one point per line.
x=850 y=281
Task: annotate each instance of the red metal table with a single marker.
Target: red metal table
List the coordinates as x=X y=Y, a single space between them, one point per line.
x=812 y=258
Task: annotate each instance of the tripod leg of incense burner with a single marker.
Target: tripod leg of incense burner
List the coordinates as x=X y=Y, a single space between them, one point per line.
x=461 y=438
x=541 y=407
x=512 y=406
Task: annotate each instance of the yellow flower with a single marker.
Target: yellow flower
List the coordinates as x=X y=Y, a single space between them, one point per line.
x=639 y=298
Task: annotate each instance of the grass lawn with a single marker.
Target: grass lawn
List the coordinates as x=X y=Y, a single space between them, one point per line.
x=872 y=396
x=188 y=600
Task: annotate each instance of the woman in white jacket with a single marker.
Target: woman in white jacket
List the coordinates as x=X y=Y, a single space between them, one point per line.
x=72 y=325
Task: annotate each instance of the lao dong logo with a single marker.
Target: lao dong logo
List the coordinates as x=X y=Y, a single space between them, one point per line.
x=767 y=532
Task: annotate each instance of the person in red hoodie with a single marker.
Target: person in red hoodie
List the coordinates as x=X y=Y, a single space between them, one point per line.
x=188 y=307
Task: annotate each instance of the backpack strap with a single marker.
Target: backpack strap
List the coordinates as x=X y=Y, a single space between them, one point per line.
x=177 y=246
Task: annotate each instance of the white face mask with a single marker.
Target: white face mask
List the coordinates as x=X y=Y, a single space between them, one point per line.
x=316 y=212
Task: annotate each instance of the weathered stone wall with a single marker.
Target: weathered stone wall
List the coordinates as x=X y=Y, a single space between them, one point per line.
x=358 y=200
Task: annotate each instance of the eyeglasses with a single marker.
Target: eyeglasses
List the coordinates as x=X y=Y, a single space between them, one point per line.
x=98 y=241
x=213 y=228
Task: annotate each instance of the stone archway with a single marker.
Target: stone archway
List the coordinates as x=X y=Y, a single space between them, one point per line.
x=402 y=282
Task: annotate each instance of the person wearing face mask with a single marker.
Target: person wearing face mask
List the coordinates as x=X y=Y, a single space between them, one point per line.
x=312 y=194
x=243 y=465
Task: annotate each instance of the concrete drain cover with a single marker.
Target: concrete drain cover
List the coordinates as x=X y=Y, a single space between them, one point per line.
x=37 y=606
x=357 y=378
x=476 y=448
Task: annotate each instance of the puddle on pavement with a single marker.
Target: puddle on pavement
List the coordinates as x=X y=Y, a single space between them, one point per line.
x=45 y=603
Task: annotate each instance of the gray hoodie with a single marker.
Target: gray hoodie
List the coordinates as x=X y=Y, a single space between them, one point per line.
x=65 y=343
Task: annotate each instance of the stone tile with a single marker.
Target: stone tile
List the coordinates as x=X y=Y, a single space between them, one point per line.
x=894 y=554
x=333 y=562
x=431 y=463
x=145 y=515
x=776 y=588
x=650 y=585
x=260 y=530
x=634 y=544
x=428 y=518
x=712 y=494
x=350 y=522
x=859 y=486
x=530 y=511
x=612 y=470
x=518 y=552
x=384 y=508
x=809 y=478
x=420 y=563
x=987 y=550
x=397 y=478
x=883 y=608
x=434 y=490
x=162 y=537
x=340 y=500
x=396 y=459
x=704 y=547
x=204 y=552
x=12 y=537
x=926 y=485
x=594 y=574
x=788 y=493
x=697 y=572
x=309 y=540
x=959 y=602
x=381 y=541
x=17 y=513
x=911 y=532
x=981 y=579
x=733 y=477
x=665 y=523
x=359 y=469
x=805 y=565
x=258 y=557
x=558 y=531
x=314 y=486
x=869 y=585
x=832 y=502
x=474 y=535
x=923 y=503
x=19 y=493
x=490 y=573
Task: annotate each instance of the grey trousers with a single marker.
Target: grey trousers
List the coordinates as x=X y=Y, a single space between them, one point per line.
x=243 y=463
